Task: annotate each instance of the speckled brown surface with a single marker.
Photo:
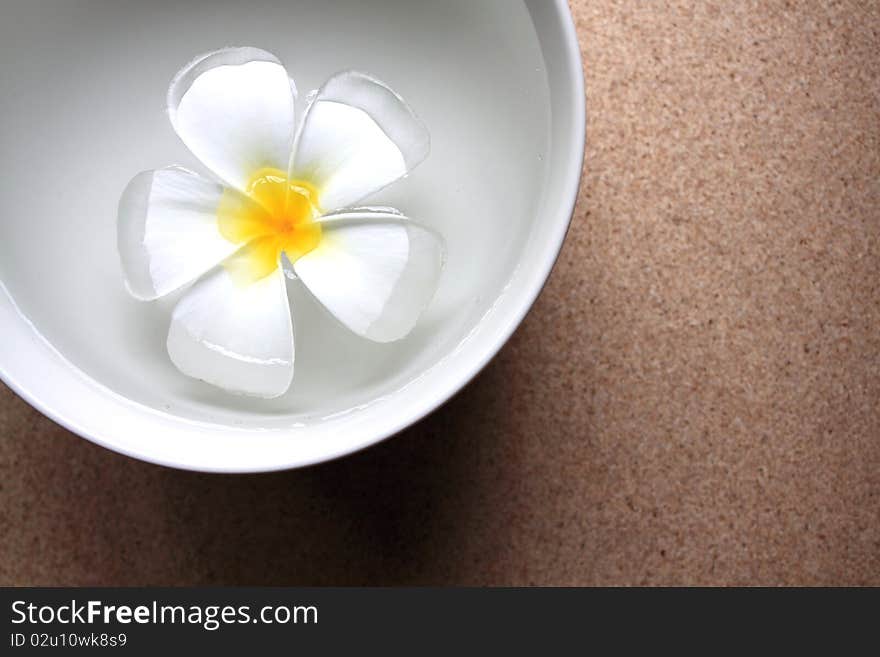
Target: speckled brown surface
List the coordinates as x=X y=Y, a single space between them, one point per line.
x=695 y=398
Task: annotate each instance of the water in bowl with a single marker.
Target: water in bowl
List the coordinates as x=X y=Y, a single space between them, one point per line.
x=83 y=111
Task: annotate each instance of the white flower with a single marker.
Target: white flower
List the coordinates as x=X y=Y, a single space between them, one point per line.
x=286 y=202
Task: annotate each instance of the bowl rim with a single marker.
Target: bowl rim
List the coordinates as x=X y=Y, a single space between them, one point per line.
x=420 y=406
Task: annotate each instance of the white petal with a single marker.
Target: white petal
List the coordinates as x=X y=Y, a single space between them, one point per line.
x=234 y=109
x=237 y=337
x=357 y=137
x=376 y=272
x=167 y=231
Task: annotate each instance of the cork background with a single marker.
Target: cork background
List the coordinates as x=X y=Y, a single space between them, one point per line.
x=694 y=398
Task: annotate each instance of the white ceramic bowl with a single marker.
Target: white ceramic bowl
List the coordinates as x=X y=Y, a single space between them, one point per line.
x=499 y=85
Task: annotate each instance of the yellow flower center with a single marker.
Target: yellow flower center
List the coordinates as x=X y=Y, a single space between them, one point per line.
x=278 y=216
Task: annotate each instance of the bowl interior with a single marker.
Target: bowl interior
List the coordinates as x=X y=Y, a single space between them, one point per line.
x=83 y=111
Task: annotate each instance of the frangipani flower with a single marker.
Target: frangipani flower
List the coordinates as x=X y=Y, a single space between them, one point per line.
x=284 y=205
